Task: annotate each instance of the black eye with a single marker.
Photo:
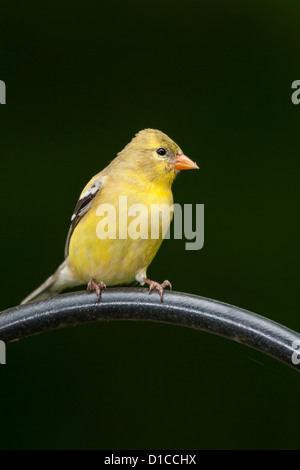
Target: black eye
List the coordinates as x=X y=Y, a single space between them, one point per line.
x=161 y=151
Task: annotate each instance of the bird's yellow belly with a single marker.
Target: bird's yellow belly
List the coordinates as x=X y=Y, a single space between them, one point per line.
x=116 y=260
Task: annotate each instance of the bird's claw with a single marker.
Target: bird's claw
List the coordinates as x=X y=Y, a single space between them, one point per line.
x=153 y=285
x=92 y=285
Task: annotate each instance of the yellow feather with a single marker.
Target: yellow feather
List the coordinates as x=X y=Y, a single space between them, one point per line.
x=145 y=178
x=115 y=261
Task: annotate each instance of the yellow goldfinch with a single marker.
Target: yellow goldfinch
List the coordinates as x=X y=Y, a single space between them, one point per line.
x=143 y=173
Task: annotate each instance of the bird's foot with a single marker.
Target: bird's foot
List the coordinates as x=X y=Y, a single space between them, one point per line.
x=92 y=285
x=153 y=285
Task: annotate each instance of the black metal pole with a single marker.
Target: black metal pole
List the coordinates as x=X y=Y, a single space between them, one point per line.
x=135 y=304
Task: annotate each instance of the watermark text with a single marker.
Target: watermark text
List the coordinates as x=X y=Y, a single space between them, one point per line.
x=2 y=92
x=2 y=352
x=138 y=221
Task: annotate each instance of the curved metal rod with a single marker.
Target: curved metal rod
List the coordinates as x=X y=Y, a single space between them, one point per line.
x=135 y=304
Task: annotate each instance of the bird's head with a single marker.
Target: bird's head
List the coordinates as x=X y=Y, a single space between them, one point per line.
x=154 y=155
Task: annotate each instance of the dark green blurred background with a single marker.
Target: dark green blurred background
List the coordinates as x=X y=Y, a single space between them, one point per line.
x=82 y=78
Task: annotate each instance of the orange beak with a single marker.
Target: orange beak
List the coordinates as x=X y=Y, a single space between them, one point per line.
x=184 y=163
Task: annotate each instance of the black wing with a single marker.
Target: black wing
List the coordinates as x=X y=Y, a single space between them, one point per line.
x=82 y=207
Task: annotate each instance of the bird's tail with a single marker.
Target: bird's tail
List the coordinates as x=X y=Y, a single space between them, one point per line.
x=60 y=280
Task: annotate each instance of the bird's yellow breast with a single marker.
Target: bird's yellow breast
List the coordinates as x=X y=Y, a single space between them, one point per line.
x=117 y=260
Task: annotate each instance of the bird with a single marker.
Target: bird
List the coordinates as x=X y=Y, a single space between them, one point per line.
x=142 y=174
